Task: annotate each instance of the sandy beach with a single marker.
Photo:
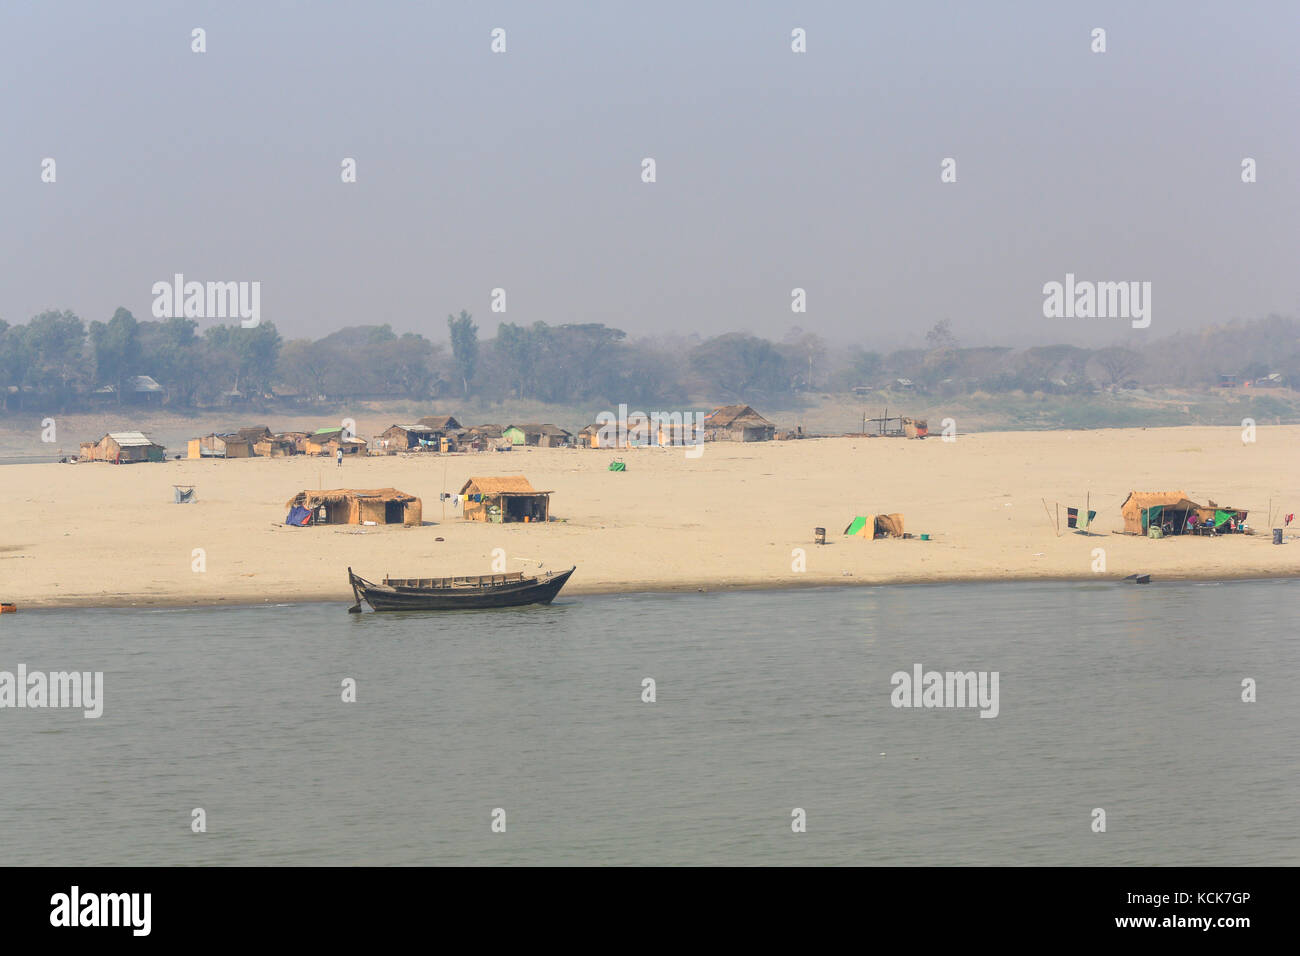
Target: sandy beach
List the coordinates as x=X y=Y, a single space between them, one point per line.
x=102 y=535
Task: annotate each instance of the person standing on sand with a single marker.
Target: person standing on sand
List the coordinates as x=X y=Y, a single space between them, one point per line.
x=338 y=454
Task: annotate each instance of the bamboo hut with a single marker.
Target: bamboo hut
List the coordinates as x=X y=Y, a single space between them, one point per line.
x=357 y=506
x=503 y=500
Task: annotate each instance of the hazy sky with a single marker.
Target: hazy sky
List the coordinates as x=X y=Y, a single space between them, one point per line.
x=522 y=170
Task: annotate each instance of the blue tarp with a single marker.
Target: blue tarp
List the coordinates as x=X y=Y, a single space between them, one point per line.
x=298 y=515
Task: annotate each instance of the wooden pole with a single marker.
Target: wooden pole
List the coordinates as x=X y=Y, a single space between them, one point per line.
x=1047 y=511
x=1058 y=519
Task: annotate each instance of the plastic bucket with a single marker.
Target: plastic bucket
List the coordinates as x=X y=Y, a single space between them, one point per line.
x=925 y=537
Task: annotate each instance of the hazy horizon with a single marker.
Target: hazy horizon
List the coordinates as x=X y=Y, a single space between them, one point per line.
x=775 y=170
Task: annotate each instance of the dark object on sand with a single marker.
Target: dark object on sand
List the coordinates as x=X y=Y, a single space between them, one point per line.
x=1277 y=535
x=449 y=594
x=820 y=535
x=1139 y=578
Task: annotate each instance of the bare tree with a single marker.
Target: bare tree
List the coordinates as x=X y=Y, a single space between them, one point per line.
x=1117 y=363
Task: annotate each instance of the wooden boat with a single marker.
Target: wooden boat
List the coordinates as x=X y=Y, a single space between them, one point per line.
x=448 y=594
x=7 y=608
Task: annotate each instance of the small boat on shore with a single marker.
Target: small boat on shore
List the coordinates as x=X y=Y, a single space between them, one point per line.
x=450 y=594
x=7 y=608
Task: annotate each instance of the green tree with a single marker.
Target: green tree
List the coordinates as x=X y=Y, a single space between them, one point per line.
x=464 y=346
x=53 y=344
x=116 y=349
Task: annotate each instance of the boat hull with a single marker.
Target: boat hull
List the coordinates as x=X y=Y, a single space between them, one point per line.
x=382 y=597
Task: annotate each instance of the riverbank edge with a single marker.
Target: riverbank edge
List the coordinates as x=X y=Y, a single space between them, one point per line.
x=343 y=595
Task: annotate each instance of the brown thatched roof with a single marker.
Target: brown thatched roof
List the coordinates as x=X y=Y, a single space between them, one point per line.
x=1149 y=499
x=440 y=421
x=314 y=499
x=734 y=414
x=509 y=485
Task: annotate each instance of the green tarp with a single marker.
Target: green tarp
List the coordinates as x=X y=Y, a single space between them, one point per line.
x=1222 y=517
x=617 y=466
x=856 y=526
x=1152 y=515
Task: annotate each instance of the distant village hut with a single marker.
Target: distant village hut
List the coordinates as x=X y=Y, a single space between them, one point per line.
x=503 y=500
x=277 y=446
x=355 y=506
x=441 y=423
x=326 y=441
x=410 y=437
x=598 y=436
x=254 y=433
x=1166 y=510
x=123 y=448
x=541 y=435
x=737 y=423
x=230 y=445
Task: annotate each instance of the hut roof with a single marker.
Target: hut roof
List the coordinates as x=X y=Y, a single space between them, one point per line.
x=1150 y=499
x=731 y=414
x=418 y=429
x=534 y=428
x=509 y=485
x=313 y=499
x=129 y=439
x=440 y=421
x=253 y=432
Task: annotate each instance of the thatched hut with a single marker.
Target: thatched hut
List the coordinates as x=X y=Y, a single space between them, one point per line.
x=357 y=506
x=254 y=433
x=737 y=423
x=220 y=446
x=327 y=441
x=504 y=500
x=407 y=437
x=276 y=446
x=1168 y=510
x=122 y=448
x=543 y=435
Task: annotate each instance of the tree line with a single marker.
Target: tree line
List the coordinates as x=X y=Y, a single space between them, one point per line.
x=59 y=362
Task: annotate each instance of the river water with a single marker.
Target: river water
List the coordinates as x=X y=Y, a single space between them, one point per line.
x=1121 y=698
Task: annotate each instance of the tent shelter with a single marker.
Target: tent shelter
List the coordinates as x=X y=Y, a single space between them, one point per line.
x=357 y=506
x=505 y=499
x=1167 y=510
x=876 y=526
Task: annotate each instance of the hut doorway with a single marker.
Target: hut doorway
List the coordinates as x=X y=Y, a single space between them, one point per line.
x=394 y=512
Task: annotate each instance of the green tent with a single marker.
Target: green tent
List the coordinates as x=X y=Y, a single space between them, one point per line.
x=862 y=525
